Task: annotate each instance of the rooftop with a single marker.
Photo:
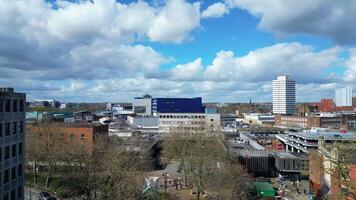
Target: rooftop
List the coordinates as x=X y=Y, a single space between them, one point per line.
x=332 y=135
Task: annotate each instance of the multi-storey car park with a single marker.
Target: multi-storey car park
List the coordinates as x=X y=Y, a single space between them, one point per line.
x=12 y=144
x=303 y=142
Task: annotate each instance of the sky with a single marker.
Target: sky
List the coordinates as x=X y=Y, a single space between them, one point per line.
x=223 y=51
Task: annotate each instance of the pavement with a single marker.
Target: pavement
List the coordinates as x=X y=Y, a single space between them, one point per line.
x=31 y=193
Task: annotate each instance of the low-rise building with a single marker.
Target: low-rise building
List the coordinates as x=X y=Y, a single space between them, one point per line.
x=308 y=121
x=171 y=121
x=258 y=119
x=332 y=172
x=79 y=133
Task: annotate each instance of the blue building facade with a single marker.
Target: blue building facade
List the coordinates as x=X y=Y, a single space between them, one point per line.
x=177 y=105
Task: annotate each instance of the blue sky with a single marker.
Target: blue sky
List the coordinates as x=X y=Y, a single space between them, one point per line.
x=226 y=51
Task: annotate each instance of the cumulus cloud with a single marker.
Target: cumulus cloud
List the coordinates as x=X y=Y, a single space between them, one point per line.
x=350 y=73
x=215 y=10
x=175 y=21
x=298 y=60
x=329 y=18
x=88 y=39
x=189 y=71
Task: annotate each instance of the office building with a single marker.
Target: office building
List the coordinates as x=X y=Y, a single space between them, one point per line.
x=283 y=95
x=12 y=140
x=142 y=105
x=190 y=121
x=343 y=97
x=177 y=105
x=326 y=105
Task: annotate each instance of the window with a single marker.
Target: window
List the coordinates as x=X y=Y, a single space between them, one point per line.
x=20 y=148
x=13 y=150
x=21 y=127
x=13 y=193
x=7 y=129
x=13 y=173
x=1 y=105
x=7 y=152
x=21 y=105
x=14 y=128
x=6 y=196
x=19 y=191
x=14 y=105
x=19 y=170
x=0 y=154
x=82 y=136
x=7 y=105
x=1 y=130
x=6 y=176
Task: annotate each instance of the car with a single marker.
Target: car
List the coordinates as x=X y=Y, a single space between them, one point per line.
x=46 y=196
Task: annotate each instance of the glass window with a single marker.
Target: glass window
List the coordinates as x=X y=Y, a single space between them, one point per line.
x=1 y=105
x=1 y=130
x=13 y=173
x=0 y=154
x=13 y=150
x=20 y=148
x=7 y=129
x=7 y=152
x=14 y=128
x=19 y=170
x=6 y=196
x=82 y=136
x=19 y=191
x=13 y=193
x=21 y=127
x=6 y=176
x=8 y=105
x=14 y=105
x=21 y=105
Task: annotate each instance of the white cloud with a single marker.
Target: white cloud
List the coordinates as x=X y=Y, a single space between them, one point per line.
x=299 y=61
x=330 y=18
x=189 y=71
x=175 y=21
x=350 y=73
x=215 y=10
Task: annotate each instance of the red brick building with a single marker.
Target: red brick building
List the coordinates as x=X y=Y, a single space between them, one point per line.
x=325 y=168
x=326 y=105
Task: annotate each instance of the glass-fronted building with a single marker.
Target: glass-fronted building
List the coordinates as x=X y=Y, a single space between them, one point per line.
x=177 y=105
x=12 y=144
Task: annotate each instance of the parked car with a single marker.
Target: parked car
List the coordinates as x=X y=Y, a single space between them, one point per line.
x=46 y=196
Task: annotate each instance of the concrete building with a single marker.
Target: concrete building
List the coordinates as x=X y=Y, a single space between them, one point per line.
x=142 y=105
x=258 y=118
x=12 y=143
x=343 y=97
x=304 y=142
x=171 y=121
x=283 y=95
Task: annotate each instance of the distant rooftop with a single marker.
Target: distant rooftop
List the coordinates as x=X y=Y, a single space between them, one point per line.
x=332 y=135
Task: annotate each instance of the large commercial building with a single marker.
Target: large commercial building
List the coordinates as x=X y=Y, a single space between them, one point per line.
x=12 y=144
x=343 y=97
x=171 y=121
x=143 y=105
x=283 y=95
x=177 y=105
x=326 y=105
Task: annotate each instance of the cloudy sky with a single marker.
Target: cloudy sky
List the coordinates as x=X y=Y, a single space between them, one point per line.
x=227 y=51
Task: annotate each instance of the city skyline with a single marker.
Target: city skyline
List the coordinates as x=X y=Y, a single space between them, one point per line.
x=223 y=51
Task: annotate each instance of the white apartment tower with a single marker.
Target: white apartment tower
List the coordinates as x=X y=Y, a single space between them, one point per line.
x=283 y=95
x=343 y=96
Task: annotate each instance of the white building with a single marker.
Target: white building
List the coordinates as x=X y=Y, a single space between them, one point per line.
x=258 y=118
x=142 y=105
x=343 y=97
x=283 y=95
x=171 y=121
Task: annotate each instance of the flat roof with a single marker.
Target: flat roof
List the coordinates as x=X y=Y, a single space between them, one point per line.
x=332 y=135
